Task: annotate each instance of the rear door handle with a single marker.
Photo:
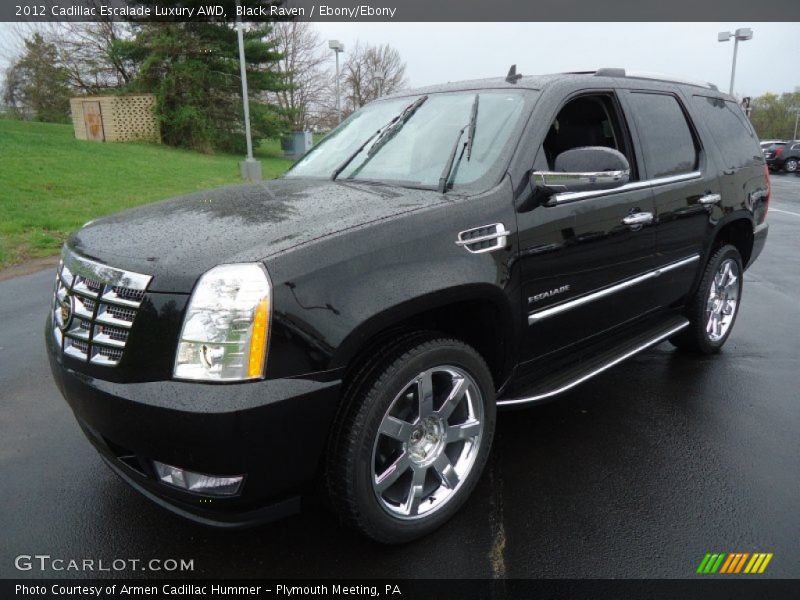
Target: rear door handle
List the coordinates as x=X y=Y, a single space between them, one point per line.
x=638 y=219
x=710 y=199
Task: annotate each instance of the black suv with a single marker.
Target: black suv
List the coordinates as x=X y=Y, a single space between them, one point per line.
x=783 y=156
x=443 y=253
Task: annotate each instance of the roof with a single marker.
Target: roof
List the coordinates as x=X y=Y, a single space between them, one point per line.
x=537 y=82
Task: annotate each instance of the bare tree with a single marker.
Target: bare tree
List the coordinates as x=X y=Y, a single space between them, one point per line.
x=305 y=65
x=89 y=51
x=372 y=71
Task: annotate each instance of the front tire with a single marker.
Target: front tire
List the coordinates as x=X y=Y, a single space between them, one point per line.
x=713 y=309
x=790 y=165
x=413 y=439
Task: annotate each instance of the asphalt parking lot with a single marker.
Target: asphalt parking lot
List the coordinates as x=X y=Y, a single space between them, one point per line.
x=636 y=474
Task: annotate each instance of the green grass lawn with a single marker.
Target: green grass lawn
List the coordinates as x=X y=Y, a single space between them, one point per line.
x=51 y=183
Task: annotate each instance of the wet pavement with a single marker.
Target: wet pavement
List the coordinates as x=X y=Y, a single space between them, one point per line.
x=638 y=473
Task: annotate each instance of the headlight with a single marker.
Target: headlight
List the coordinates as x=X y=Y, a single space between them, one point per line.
x=226 y=327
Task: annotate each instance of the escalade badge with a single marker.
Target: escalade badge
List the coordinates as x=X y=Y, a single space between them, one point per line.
x=548 y=293
x=65 y=313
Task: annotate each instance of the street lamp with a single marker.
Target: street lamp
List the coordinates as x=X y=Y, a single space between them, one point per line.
x=380 y=77
x=742 y=34
x=337 y=47
x=796 y=111
x=250 y=168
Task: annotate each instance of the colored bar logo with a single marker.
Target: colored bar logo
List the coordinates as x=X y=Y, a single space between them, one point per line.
x=734 y=562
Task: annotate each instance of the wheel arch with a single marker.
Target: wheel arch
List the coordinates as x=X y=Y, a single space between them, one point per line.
x=736 y=229
x=478 y=314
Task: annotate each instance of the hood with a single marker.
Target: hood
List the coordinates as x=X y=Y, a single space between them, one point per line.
x=179 y=239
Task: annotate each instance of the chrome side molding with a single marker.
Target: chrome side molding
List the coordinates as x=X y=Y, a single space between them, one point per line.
x=565 y=197
x=534 y=317
x=604 y=367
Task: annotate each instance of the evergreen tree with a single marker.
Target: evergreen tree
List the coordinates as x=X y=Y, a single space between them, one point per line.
x=193 y=69
x=37 y=85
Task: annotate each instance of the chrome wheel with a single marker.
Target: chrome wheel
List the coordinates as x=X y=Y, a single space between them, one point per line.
x=790 y=166
x=723 y=300
x=427 y=442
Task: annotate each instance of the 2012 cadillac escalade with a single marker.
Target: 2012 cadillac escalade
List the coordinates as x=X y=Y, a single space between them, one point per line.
x=442 y=253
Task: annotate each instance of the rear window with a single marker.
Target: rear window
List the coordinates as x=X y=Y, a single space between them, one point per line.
x=731 y=131
x=667 y=141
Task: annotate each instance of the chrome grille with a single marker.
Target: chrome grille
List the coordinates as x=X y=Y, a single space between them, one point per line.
x=94 y=307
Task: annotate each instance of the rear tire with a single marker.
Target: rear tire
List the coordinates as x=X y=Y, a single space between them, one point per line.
x=412 y=439
x=713 y=309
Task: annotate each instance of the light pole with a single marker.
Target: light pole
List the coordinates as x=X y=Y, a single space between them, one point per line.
x=380 y=77
x=250 y=167
x=796 y=110
x=742 y=34
x=337 y=47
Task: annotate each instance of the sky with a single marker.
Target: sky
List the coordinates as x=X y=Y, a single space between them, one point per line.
x=440 y=52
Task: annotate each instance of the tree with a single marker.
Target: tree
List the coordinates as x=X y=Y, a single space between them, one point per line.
x=772 y=115
x=91 y=54
x=370 y=72
x=304 y=64
x=193 y=69
x=37 y=84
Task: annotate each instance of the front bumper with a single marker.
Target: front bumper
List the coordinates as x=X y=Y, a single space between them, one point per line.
x=272 y=431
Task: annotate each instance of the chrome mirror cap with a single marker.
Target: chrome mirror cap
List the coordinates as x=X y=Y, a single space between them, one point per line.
x=555 y=182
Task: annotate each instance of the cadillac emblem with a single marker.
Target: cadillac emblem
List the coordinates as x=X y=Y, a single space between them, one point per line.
x=64 y=313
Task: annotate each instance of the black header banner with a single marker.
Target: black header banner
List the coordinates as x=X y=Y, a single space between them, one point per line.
x=401 y=10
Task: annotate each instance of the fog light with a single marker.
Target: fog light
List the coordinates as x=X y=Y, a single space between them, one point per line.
x=211 y=485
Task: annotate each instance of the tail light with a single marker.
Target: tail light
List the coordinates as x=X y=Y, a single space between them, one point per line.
x=778 y=151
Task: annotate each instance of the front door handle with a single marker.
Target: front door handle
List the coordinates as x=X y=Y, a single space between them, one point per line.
x=710 y=199
x=638 y=219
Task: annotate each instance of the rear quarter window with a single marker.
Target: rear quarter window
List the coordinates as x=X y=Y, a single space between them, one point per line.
x=730 y=130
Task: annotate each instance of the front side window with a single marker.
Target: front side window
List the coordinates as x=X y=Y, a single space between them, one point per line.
x=418 y=153
x=584 y=121
x=667 y=141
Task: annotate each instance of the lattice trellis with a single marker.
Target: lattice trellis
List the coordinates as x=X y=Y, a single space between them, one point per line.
x=126 y=118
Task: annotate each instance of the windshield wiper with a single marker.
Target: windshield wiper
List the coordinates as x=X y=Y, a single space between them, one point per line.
x=451 y=166
x=387 y=132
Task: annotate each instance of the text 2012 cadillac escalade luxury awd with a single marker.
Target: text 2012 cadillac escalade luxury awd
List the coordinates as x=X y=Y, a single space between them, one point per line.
x=442 y=253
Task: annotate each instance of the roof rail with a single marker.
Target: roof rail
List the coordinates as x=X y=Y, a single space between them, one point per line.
x=613 y=72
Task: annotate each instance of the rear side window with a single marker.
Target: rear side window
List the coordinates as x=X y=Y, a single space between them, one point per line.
x=731 y=131
x=667 y=142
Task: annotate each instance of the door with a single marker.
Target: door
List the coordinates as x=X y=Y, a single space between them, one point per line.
x=93 y=119
x=580 y=252
x=685 y=188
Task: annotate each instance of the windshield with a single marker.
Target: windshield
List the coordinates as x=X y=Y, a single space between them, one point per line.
x=419 y=150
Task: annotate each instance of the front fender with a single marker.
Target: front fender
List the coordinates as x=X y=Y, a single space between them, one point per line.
x=331 y=297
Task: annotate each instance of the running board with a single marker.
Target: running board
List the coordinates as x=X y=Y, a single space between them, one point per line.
x=568 y=378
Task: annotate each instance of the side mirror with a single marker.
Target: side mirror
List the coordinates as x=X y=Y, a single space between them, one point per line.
x=584 y=169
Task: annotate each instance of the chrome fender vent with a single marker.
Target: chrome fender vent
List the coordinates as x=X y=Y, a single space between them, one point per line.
x=486 y=238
